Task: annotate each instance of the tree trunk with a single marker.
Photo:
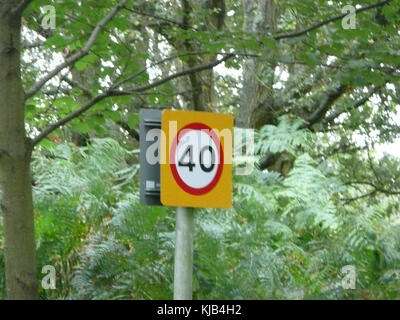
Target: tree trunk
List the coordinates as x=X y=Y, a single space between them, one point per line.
x=260 y=18
x=202 y=83
x=82 y=77
x=15 y=158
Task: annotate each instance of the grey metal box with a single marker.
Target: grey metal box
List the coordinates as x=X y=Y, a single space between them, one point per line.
x=150 y=119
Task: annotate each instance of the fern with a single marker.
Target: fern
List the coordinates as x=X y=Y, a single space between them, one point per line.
x=287 y=136
x=308 y=195
x=284 y=238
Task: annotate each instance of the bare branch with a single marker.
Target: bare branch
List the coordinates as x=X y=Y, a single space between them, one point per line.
x=80 y=54
x=72 y=84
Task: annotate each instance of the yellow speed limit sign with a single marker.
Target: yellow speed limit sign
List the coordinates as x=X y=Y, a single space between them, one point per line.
x=196 y=159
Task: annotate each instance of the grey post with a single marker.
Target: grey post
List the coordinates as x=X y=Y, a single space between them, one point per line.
x=183 y=253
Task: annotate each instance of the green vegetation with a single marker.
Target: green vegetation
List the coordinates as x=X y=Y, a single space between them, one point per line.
x=322 y=99
x=282 y=239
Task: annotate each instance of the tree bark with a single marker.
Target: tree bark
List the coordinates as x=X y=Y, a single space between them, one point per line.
x=202 y=83
x=260 y=18
x=15 y=158
x=82 y=77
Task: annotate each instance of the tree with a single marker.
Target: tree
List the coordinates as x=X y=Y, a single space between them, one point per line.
x=15 y=157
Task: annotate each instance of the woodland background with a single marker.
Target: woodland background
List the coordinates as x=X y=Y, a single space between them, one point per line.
x=323 y=101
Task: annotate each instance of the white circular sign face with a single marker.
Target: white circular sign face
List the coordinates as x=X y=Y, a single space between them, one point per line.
x=197 y=158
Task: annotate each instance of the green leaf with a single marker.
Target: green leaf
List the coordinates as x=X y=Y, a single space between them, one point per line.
x=30 y=109
x=85 y=62
x=375 y=78
x=253 y=45
x=133 y=120
x=309 y=58
x=81 y=65
x=82 y=127
x=113 y=115
x=95 y=120
x=269 y=43
x=47 y=144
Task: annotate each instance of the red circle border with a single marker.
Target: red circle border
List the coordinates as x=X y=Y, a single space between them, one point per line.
x=178 y=179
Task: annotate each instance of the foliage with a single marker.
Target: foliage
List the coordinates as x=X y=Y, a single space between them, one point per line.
x=287 y=136
x=284 y=239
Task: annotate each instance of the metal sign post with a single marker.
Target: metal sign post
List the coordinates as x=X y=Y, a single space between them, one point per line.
x=183 y=253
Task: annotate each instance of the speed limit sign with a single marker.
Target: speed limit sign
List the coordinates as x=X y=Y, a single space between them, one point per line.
x=196 y=159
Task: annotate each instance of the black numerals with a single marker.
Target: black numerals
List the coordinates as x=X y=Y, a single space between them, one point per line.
x=187 y=159
x=190 y=164
x=212 y=164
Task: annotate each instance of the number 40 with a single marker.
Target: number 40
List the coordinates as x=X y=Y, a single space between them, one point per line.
x=190 y=164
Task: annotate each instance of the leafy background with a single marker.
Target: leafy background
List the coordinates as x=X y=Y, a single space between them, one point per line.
x=282 y=239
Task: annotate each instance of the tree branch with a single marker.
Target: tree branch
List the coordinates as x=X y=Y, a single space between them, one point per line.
x=114 y=93
x=120 y=83
x=132 y=132
x=173 y=76
x=75 y=84
x=150 y=15
x=369 y=194
x=69 y=117
x=295 y=34
x=80 y=54
x=356 y=105
x=325 y=22
x=376 y=189
x=322 y=108
x=327 y=102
